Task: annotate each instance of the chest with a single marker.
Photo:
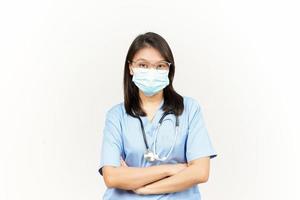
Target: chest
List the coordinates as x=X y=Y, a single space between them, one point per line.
x=161 y=138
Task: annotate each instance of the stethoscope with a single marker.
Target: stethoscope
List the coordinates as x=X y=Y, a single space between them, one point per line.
x=150 y=155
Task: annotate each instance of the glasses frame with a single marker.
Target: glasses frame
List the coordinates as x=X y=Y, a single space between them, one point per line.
x=134 y=61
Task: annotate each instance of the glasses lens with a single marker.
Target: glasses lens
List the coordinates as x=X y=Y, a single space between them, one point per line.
x=162 y=66
x=142 y=64
x=145 y=64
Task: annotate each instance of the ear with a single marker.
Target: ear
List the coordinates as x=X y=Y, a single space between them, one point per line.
x=130 y=70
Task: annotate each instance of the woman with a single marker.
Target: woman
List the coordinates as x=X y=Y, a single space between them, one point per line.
x=139 y=158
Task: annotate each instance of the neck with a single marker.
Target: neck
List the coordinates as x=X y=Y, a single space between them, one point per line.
x=151 y=100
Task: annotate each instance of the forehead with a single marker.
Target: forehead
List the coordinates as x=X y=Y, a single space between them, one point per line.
x=149 y=54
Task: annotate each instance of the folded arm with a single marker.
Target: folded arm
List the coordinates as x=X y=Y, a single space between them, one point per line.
x=196 y=172
x=131 y=178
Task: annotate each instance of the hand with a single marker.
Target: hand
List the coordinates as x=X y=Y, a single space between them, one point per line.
x=176 y=168
x=140 y=191
x=123 y=163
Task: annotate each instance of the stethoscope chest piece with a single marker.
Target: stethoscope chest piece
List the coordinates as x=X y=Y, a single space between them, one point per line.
x=149 y=155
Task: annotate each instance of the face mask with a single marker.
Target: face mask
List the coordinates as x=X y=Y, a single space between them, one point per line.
x=150 y=81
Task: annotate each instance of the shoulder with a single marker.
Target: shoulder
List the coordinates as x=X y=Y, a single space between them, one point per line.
x=192 y=108
x=191 y=104
x=116 y=110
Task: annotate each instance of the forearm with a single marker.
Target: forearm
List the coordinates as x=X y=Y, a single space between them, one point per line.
x=129 y=178
x=178 y=182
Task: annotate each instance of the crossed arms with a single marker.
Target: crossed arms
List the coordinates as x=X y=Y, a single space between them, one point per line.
x=167 y=178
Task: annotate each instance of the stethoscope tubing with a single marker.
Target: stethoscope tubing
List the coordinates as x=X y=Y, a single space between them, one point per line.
x=156 y=132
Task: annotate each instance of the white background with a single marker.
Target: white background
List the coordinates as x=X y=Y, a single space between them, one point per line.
x=62 y=67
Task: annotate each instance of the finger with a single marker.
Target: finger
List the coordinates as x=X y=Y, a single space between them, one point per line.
x=123 y=163
x=135 y=191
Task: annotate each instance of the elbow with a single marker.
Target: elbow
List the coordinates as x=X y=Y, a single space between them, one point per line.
x=112 y=179
x=109 y=181
x=108 y=177
x=201 y=170
x=202 y=177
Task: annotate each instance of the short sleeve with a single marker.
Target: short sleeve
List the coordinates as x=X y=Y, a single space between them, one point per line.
x=198 y=141
x=111 y=149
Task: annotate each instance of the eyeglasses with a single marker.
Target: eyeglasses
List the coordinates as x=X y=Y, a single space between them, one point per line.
x=161 y=65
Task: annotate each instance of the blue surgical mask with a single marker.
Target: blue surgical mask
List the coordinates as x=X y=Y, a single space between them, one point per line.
x=150 y=81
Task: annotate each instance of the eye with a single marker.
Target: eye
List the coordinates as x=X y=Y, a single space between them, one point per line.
x=142 y=65
x=162 y=66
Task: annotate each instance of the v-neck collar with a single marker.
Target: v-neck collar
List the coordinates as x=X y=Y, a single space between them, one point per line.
x=156 y=115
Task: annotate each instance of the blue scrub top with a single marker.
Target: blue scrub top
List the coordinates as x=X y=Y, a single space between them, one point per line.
x=122 y=136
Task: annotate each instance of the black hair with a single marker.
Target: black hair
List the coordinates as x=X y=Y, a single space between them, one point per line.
x=172 y=100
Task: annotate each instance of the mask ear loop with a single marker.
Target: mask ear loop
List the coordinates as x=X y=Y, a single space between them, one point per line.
x=176 y=134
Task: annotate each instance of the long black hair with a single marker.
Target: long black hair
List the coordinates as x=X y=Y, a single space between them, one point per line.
x=172 y=100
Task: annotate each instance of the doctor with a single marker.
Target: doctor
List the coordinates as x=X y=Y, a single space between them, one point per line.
x=155 y=143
